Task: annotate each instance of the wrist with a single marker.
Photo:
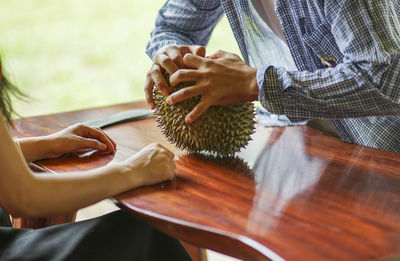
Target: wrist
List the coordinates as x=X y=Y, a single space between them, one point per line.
x=34 y=148
x=127 y=173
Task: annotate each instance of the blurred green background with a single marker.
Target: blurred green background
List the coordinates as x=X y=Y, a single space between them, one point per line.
x=75 y=54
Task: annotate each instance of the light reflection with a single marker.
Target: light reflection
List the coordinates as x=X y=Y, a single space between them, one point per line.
x=281 y=174
x=234 y=164
x=298 y=173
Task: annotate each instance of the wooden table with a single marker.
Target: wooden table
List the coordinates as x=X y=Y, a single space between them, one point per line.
x=293 y=194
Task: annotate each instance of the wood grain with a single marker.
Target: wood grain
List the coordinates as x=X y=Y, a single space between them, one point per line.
x=293 y=193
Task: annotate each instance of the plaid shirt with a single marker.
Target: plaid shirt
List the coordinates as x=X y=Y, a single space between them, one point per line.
x=359 y=40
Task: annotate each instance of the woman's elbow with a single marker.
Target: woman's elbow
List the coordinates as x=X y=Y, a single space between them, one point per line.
x=20 y=205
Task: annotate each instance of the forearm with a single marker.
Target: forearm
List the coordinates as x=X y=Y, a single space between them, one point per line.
x=34 y=148
x=23 y=193
x=62 y=193
x=347 y=91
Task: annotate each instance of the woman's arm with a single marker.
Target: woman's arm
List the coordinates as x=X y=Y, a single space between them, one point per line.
x=70 y=139
x=23 y=193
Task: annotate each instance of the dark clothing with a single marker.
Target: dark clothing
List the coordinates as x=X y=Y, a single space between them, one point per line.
x=116 y=236
x=4 y=218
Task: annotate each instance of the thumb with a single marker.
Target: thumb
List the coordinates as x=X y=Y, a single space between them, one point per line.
x=193 y=61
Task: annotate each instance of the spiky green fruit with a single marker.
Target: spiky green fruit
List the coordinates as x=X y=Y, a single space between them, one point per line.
x=223 y=130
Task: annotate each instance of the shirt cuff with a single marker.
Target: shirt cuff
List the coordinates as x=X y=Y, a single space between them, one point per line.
x=153 y=49
x=270 y=89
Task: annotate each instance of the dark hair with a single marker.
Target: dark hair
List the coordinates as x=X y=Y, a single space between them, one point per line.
x=7 y=90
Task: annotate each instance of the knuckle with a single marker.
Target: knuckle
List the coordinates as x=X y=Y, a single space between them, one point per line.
x=186 y=58
x=208 y=62
x=165 y=59
x=173 y=47
x=148 y=74
x=176 y=58
x=155 y=70
x=158 y=56
x=79 y=125
x=235 y=56
x=183 y=48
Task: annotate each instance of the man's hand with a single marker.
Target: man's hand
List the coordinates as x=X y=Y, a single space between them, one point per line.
x=221 y=79
x=171 y=60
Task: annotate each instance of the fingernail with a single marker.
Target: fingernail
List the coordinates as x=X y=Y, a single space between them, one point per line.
x=169 y=101
x=188 y=119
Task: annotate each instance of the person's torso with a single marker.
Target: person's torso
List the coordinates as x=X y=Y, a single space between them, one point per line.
x=308 y=35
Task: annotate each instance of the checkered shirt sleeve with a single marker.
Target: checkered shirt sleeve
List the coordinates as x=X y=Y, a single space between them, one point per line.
x=184 y=22
x=367 y=83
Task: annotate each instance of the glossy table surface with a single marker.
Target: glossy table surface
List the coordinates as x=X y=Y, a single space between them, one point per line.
x=292 y=194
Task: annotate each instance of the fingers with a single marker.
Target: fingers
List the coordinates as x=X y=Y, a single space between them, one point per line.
x=184 y=75
x=176 y=55
x=193 y=61
x=169 y=153
x=169 y=61
x=217 y=54
x=148 y=91
x=87 y=143
x=100 y=136
x=200 y=108
x=184 y=93
x=112 y=141
x=222 y=54
x=170 y=168
x=198 y=50
x=157 y=146
x=158 y=78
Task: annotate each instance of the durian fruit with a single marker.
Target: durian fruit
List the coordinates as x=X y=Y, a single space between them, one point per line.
x=222 y=130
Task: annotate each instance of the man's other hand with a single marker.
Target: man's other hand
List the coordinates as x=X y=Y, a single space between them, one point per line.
x=221 y=79
x=171 y=60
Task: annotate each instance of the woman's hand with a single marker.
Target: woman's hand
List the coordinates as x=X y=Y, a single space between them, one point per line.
x=171 y=60
x=74 y=138
x=151 y=165
x=221 y=79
